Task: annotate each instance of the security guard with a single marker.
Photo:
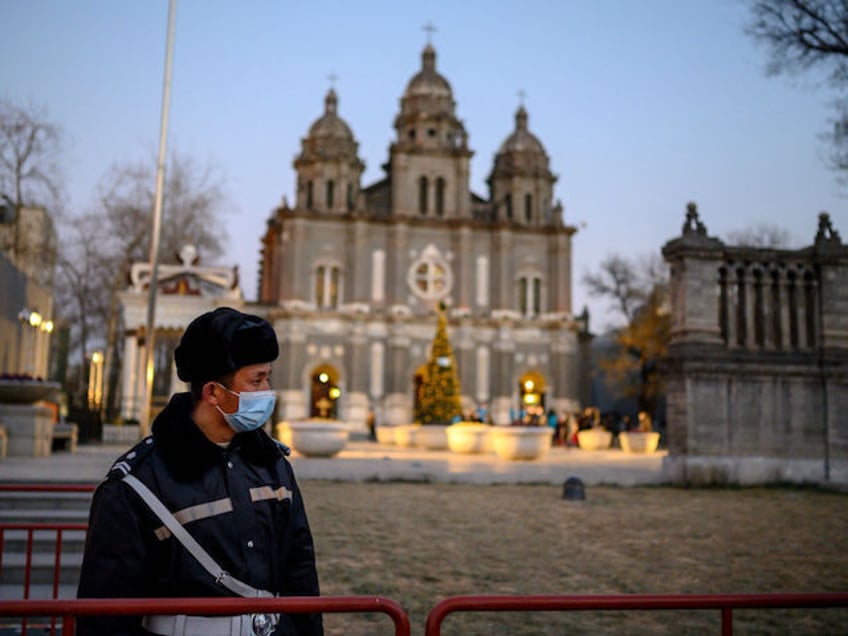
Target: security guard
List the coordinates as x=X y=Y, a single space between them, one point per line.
x=208 y=486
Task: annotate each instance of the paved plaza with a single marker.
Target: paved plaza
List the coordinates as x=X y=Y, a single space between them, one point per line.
x=362 y=460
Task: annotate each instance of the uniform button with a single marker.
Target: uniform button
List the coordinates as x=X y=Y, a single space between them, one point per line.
x=250 y=544
x=229 y=464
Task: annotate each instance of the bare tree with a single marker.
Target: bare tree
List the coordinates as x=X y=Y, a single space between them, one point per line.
x=104 y=244
x=760 y=235
x=804 y=36
x=30 y=148
x=626 y=283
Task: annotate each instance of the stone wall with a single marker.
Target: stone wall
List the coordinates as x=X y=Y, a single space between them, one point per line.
x=757 y=371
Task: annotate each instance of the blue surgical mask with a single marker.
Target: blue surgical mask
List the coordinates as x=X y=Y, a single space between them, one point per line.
x=254 y=408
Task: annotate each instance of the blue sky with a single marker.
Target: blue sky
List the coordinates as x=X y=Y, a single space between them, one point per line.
x=642 y=105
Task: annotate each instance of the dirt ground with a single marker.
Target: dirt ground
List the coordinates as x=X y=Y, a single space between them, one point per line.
x=419 y=543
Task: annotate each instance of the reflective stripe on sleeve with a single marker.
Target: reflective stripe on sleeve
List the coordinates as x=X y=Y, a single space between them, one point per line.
x=264 y=493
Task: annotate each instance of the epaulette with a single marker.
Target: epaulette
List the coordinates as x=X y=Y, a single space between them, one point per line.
x=123 y=466
x=285 y=450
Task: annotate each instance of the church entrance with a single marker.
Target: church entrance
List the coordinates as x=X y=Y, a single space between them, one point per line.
x=325 y=392
x=531 y=389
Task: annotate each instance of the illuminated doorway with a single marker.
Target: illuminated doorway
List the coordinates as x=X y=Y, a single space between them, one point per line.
x=531 y=388
x=325 y=392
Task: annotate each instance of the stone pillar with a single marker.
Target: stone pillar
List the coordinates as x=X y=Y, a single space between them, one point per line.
x=464 y=268
x=129 y=397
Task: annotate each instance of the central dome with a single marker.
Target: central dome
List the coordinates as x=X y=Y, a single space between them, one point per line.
x=428 y=82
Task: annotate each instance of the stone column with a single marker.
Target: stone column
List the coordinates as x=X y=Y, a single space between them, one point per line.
x=129 y=383
x=398 y=263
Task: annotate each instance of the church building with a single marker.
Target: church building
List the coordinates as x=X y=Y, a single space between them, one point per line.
x=352 y=276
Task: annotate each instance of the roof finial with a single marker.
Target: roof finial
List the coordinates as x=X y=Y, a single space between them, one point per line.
x=521 y=95
x=430 y=29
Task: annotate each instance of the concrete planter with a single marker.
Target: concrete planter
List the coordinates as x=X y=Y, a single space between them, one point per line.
x=469 y=437
x=385 y=434
x=120 y=434
x=520 y=442
x=318 y=438
x=406 y=434
x=639 y=442
x=594 y=439
x=432 y=437
x=282 y=431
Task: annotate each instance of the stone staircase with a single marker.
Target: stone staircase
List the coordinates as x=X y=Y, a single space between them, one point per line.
x=48 y=508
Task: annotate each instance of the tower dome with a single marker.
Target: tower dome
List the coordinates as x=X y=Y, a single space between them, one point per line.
x=328 y=168
x=329 y=136
x=521 y=151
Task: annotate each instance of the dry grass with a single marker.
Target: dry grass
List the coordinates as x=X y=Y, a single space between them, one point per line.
x=420 y=543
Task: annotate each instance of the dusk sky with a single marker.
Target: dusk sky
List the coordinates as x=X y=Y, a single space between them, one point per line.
x=642 y=105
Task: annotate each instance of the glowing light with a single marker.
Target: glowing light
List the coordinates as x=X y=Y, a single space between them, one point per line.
x=35 y=319
x=47 y=326
x=335 y=392
x=96 y=357
x=528 y=385
x=323 y=378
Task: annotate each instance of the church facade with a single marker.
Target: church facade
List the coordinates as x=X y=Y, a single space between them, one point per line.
x=352 y=275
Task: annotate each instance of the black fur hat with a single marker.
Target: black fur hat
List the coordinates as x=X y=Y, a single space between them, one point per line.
x=222 y=341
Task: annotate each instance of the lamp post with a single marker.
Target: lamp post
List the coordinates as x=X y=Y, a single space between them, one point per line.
x=150 y=332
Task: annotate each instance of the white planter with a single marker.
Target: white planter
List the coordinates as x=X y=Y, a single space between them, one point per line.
x=405 y=434
x=469 y=437
x=432 y=437
x=385 y=434
x=282 y=432
x=594 y=439
x=318 y=438
x=520 y=442
x=639 y=442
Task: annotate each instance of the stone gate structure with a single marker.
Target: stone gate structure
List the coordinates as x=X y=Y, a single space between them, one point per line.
x=757 y=371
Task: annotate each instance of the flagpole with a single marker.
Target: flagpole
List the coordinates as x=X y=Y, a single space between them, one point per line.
x=150 y=330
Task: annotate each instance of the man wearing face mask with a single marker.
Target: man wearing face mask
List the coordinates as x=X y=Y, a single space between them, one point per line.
x=207 y=505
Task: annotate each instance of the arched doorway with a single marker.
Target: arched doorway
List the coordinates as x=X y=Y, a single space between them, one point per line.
x=531 y=389
x=324 y=392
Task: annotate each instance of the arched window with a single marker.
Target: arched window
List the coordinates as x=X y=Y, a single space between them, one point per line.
x=440 y=196
x=327 y=286
x=422 y=196
x=528 y=207
x=331 y=191
x=350 y=196
x=508 y=206
x=530 y=295
x=309 y=195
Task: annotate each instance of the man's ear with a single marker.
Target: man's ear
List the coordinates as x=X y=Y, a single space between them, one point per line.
x=209 y=393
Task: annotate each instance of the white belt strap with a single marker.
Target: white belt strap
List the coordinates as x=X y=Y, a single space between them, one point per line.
x=198 y=625
x=181 y=534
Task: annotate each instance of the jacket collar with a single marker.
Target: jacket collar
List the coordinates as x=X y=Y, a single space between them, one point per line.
x=189 y=453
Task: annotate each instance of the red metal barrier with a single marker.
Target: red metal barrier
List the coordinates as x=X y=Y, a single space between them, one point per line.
x=13 y=487
x=726 y=603
x=70 y=609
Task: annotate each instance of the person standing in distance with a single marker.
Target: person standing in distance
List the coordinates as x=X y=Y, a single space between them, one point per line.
x=225 y=482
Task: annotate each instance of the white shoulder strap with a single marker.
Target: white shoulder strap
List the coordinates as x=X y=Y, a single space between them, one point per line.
x=210 y=565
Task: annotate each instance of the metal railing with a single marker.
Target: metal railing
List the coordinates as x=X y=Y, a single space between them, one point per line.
x=725 y=603
x=69 y=610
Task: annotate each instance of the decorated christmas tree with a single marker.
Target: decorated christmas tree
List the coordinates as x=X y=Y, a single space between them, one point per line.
x=438 y=397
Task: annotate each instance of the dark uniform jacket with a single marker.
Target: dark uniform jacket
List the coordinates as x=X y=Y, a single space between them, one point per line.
x=241 y=503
